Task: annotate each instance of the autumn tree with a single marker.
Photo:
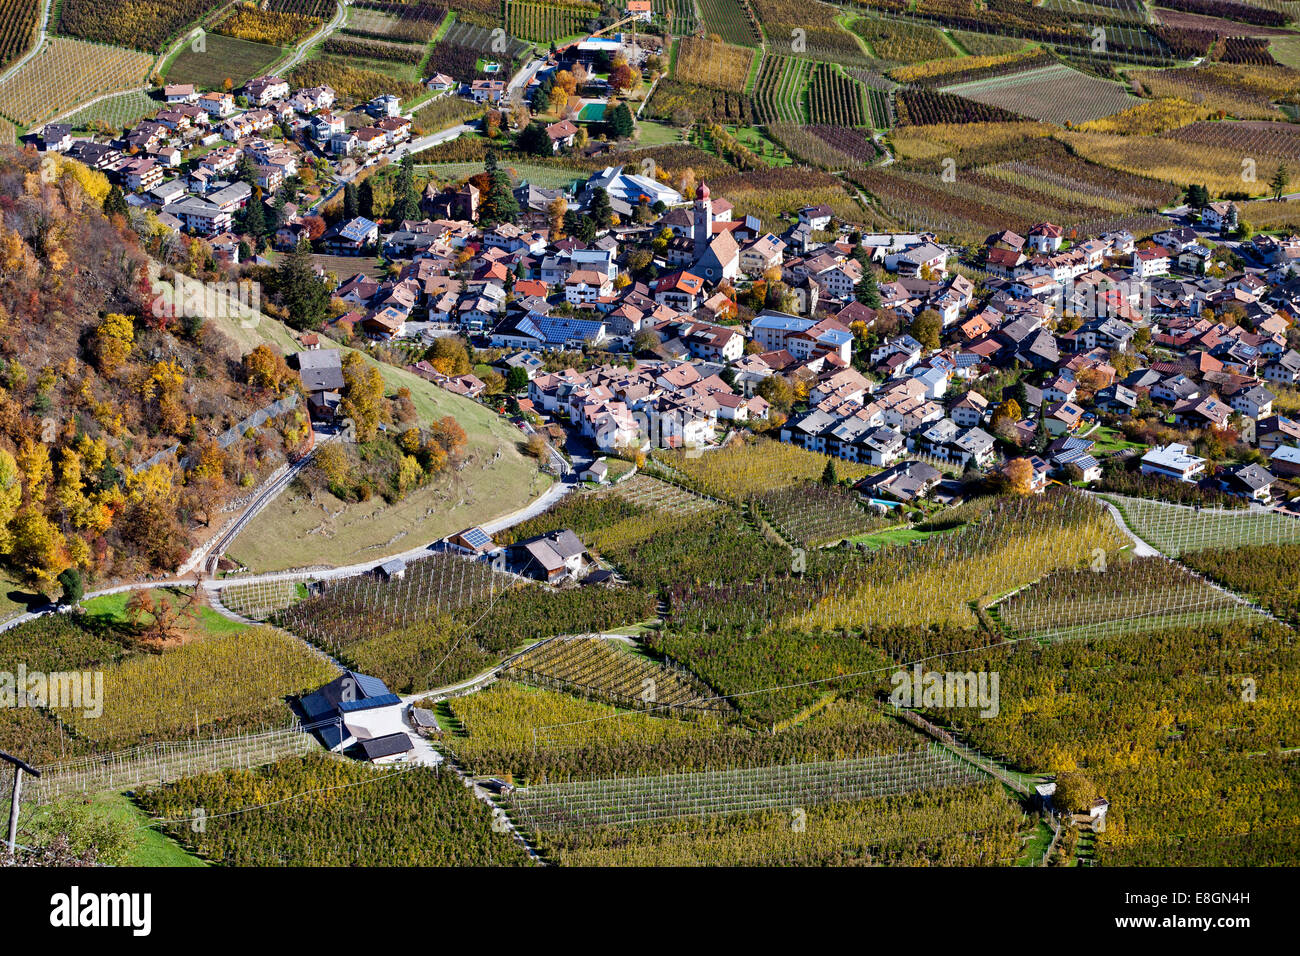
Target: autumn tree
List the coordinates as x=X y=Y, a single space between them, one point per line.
x=1018 y=476
x=1075 y=792
x=11 y=498
x=926 y=328
x=447 y=432
x=264 y=367
x=555 y=211
x=111 y=343
x=39 y=549
x=363 y=396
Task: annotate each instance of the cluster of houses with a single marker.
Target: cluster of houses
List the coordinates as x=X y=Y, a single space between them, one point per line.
x=1204 y=344
x=1059 y=309
x=185 y=162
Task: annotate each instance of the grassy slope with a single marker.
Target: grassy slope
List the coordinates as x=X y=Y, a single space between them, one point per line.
x=297 y=532
x=153 y=847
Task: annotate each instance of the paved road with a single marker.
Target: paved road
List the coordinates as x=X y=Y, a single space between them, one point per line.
x=1140 y=547
x=340 y=17
x=433 y=139
x=210 y=553
x=35 y=47
x=519 y=82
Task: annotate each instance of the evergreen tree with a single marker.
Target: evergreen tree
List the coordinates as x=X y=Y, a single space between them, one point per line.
x=867 y=292
x=304 y=296
x=621 y=123
x=599 y=209
x=499 y=204
x=253 y=221
x=579 y=226
x=406 y=205
x=829 y=475
x=351 y=202
x=115 y=202
x=533 y=139
x=1279 y=181
x=367 y=200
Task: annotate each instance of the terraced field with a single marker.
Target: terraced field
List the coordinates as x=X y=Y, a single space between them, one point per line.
x=778 y=94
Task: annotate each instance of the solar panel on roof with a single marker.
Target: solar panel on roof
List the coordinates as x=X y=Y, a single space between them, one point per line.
x=476 y=537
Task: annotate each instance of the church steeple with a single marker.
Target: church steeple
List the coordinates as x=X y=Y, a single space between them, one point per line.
x=702 y=230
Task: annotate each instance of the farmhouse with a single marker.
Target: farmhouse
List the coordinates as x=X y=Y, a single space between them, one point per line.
x=552 y=557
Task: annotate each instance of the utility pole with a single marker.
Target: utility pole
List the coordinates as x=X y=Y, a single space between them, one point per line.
x=19 y=767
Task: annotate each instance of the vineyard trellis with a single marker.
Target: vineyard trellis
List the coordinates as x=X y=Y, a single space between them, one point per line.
x=628 y=801
x=160 y=762
x=366 y=605
x=1141 y=594
x=589 y=666
x=1173 y=529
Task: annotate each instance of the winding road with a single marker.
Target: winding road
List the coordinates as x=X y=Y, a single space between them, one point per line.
x=36 y=47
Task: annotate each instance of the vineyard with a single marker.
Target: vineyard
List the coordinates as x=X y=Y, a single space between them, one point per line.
x=68 y=72
x=220 y=680
x=812 y=515
x=1138 y=595
x=363 y=606
x=140 y=24
x=971 y=825
x=410 y=54
x=807 y=28
x=410 y=23
x=267 y=26
x=675 y=102
x=1220 y=169
x=778 y=93
x=1055 y=94
x=834 y=98
x=827 y=147
x=1173 y=529
x=715 y=65
x=1246 y=92
x=464 y=48
x=321 y=811
x=679 y=14
x=117 y=112
x=223 y=58
x=922 y=107
x=1153 y=719
x=17 y=28
x=935 y=580
x=740 y=471
x=1269 y=573
x=507 y=716
x=640 y=800
x=353 y=84
x=1044 y=180
x=547 y=22
x=608 y=670
x=730 y=20
x=316 y=9
x=447 y=619
x=899 y=42
x=1247 y=138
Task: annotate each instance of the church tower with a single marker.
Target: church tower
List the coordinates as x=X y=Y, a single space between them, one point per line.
x=703 y=227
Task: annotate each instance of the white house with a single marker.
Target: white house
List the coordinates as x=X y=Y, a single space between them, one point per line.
x=1172 y=461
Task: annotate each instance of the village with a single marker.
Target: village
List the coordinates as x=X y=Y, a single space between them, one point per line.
x=680 y=325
